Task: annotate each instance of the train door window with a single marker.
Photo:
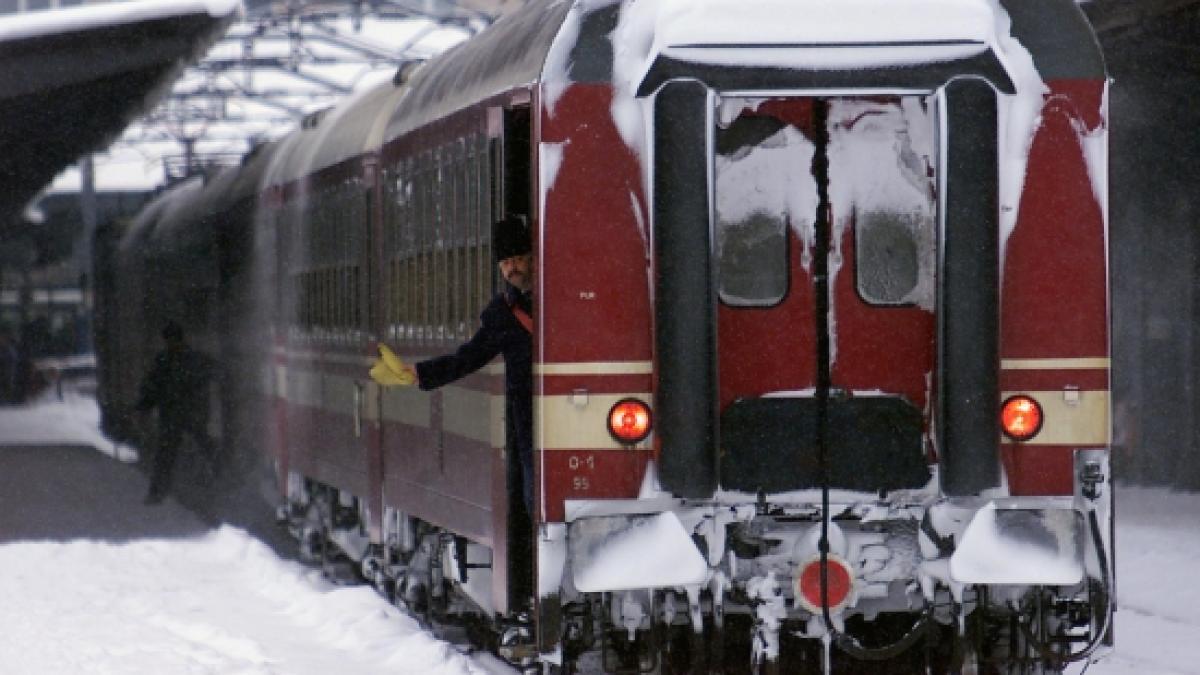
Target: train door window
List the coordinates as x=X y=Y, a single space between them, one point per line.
x=882 y=151
x=763 y=185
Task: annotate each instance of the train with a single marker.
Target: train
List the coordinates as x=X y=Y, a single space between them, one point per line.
x=821 y=376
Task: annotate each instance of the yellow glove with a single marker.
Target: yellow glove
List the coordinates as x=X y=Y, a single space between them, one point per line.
x=390 y=371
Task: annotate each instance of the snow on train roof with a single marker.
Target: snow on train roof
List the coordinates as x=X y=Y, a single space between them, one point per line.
x=857 y=35
x=680 y=22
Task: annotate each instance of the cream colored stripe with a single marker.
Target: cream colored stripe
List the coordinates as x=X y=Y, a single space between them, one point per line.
x=279 y=383
x=465 y=412
x=595 y=368
x=303 y=387
x=1055 y=364
x=338 y=395
x=496 y=367
x=1070 y=417
x=407 y=405
x=329 y=357
x=579 y=421
x=473 y=414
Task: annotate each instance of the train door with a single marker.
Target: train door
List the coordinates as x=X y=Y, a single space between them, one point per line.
x=825 y=241
x=512 y=189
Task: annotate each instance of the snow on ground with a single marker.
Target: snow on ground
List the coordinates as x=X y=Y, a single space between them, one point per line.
x=73 y=420
x=92 y=581
x=1158 y=544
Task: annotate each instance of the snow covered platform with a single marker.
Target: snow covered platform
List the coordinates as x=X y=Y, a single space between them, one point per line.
x=96 y=582
x=64 y=493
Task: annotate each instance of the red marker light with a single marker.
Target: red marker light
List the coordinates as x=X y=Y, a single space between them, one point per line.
x=839 y=580
x=1021 y=418
x=629 y=421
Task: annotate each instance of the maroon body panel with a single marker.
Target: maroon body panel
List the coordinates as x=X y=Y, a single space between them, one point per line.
x=1054 y=301
x=595 y=296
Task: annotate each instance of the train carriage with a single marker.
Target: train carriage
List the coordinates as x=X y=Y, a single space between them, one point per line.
x=820 y=346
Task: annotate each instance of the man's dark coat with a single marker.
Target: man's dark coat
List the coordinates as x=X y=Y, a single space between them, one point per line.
x=500 y=333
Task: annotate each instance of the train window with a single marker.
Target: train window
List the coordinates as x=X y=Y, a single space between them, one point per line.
x=470 y=235
x=440 y=258
x=484 y=201
x=887 y=258
x=419 y=225
x=343 y=305
x=356 y=314
x=886 y=145
x=762 y=170
x=462 y=224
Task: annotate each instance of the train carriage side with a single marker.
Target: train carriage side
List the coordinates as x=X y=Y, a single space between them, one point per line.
x=317 y=235
x=826 y=251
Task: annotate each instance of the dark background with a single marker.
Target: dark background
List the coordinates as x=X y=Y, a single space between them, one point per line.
x=1153 y=58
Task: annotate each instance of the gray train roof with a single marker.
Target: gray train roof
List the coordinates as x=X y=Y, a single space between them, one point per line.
x=510 y=53
x=334 y=135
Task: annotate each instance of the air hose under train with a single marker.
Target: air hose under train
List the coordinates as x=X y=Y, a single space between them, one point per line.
x=823 y=245
x=1106 y=585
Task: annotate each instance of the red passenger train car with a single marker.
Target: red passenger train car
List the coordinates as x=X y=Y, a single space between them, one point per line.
x=843 y=265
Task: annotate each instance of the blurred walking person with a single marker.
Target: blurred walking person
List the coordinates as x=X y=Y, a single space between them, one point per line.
x=177 y=384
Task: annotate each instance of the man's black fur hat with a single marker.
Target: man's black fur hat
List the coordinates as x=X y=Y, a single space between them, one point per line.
x=510 y=238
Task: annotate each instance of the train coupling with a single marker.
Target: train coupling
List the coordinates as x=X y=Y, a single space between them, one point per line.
x=517 y=644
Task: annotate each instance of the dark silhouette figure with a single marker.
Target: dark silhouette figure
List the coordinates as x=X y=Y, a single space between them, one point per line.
x=177 y=385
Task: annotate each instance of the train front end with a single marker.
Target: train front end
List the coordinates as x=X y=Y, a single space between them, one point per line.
x=823 y=339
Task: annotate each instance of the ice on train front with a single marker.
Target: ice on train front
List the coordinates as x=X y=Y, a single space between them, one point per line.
x=853 y=281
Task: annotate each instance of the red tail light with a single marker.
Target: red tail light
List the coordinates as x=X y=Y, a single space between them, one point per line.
x=629 y=421
x=839 y=581
x=1021 y=418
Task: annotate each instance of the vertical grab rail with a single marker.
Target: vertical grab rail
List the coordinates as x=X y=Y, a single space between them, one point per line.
x=968 y=314
x=685 y=331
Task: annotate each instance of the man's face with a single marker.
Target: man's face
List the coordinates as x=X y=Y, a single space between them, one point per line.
x=518 y=271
